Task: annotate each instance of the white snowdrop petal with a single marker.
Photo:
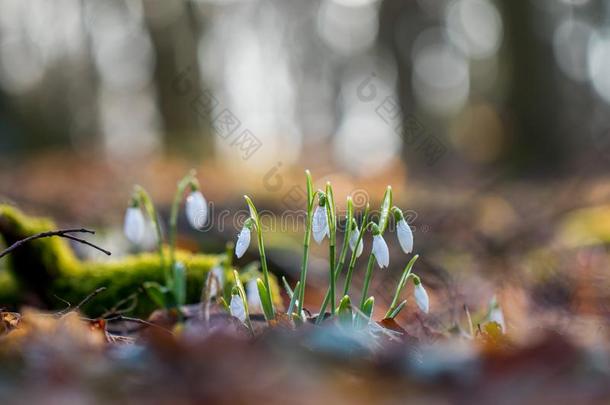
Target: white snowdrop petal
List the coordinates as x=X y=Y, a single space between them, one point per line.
x=319 y=226
x=196 y=210
x=381 y=252
x=237 y=308
x=254 y=299
x=134 y=225
x=497 y=316
x=243 y=242
x=353 y=240
x=421 y=298
x=405 y=236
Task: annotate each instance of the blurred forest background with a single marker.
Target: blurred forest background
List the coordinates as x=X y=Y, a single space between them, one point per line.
x=489 y=117
x=519 y=84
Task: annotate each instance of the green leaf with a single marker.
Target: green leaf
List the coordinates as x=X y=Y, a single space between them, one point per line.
x=179 y=284
x=310 y=192
x=156 y=293
x=295 y=297
x=368 y=306
x=287 y=288
x=253 y=211
x=265 y=299
x=385 y=209
x=330 y=203
x=345 y=311
x=394 y=313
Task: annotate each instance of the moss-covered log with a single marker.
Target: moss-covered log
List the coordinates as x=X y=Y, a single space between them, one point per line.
x=47 y=268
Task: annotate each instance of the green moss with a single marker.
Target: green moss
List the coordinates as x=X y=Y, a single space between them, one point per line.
x=48 y=268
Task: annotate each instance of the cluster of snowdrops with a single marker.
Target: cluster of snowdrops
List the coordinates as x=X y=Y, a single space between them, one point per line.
x=321 y=223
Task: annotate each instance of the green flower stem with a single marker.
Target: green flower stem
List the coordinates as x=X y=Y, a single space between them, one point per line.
x=367 y=280
x=401 y=285
x=306 y=240
x=343 y=254
x=148 y=205
x=188 y=180
x=331 y=217
x=386 y=204
x=352 y=263
x=261 y=249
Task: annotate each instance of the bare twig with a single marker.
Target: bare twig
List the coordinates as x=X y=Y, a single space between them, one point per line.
x=89 y=298
x=64 y=233
x=116 y=310
x=138 y=321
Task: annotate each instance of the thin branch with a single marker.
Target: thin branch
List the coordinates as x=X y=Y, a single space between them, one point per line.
x=64 y=233
x=89 y=298
x=139 y=321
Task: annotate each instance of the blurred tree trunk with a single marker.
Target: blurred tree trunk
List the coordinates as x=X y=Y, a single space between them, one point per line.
x=537 y=144
x=186 y=127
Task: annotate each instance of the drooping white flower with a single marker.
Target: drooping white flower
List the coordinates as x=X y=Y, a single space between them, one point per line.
x=134 y=225
x=381 y=251
x=405 y=236
x=237 y=308
x=319 y=226
x=421 y=297
x=496 y=314
x=353 y=240
x=196 y=210
x=243 y=242
x=254 y=299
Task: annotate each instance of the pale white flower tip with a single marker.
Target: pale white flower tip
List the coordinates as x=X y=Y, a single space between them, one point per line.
x=319 y=226
x=353 y=240
x=196 y=210
x=243 y=242
x=496 y=315
x=254 y=299
x=421 y=298
x=134 y=225
x=381 y=251
x=237 y=308
x=405 y=236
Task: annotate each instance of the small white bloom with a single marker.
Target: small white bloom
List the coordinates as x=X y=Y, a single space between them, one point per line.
x=134 y=225
x=496 y=315
x=421 y=298
x=319 y=224
x=405 y=236
x=196 y=210
x=381 y=252
x=219 y=275
x=243 y=242
x=353 y=240
x=237 y=308
x=254 y=299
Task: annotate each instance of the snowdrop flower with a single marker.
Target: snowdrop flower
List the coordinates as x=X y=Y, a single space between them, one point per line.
x=405 y=236
x=254 y=300
x=320 y=224
x=196 y=209
x=243 y=240
x=496 y=315
x=403 y=230
x=237 y=308
x=380 y=249
x=134 y=225
x=354 y=239
x=421 y=296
